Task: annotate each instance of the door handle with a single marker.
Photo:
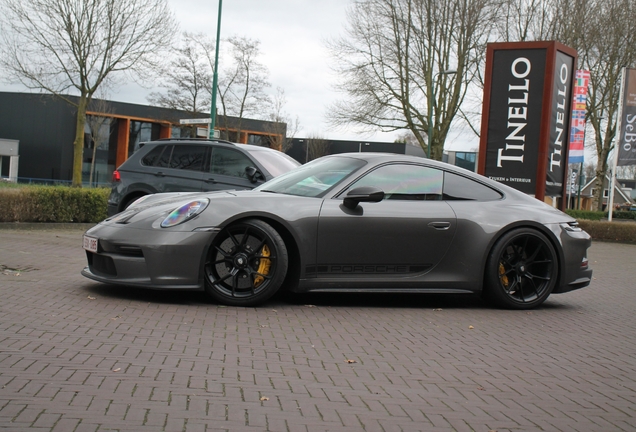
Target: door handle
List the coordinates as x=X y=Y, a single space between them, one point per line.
x=159 y=174
x=440 y=225
x=210 y=180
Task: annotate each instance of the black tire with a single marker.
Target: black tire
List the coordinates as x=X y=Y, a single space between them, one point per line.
x=521 y=270
x=246 y=264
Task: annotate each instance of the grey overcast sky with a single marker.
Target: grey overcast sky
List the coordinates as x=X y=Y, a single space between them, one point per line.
x=292 y=35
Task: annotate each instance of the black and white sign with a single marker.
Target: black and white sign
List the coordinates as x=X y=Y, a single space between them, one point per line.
x=514 y=121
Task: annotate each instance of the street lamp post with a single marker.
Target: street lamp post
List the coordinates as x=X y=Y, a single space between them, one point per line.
x=430 y=107
x=215 y=78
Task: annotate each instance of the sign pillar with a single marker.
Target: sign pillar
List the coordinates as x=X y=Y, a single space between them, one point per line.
x=525 y=126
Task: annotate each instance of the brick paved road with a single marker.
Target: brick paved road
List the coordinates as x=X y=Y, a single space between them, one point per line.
x=76 y=355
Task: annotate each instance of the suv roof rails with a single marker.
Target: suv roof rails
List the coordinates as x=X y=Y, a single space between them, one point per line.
x=194 y=139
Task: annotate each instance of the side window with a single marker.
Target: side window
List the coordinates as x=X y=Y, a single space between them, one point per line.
x=457 y=187
x=405 y=182
x=188 y=157
x=154 y=156
x=229 y=162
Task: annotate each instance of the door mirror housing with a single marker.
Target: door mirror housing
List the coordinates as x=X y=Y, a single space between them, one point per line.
x=363 y=194
x=253 y=174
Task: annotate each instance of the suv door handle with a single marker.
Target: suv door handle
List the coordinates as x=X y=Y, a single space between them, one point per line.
x=210 y=180
x=440 y=225
x=160 y=174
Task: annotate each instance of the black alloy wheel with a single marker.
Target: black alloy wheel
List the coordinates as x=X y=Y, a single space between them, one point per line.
x=522 y=269
x=246 y=264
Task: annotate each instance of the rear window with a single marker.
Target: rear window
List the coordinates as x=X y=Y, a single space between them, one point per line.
x=275 y=162
x=457 y=187
x=154 y=155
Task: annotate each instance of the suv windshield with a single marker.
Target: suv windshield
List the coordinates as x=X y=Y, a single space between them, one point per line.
x=275 y=162
x=313 y=179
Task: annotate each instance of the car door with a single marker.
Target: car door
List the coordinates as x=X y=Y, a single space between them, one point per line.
x=227 y=170
x=405 y=234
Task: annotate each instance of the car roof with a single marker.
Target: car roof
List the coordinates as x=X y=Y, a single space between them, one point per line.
x=396 y=157
x=205 y=141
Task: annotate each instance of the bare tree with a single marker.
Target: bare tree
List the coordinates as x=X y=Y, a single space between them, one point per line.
x=283 y=128
x=188 y=77
x=242 y=86
x=626 y=172
x=242 y=79
x=392 y=58
x=63 y=46
x=407 y=138
x=316 y=147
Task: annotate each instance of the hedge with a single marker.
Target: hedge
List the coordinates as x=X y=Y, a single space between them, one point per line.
x=599 y=215
x=623 y=232
x=53 y=204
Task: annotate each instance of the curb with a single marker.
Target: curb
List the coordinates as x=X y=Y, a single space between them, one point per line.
x=43 y=226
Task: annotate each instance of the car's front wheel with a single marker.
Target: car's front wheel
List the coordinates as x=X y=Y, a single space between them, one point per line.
x=522 y=269
x=246 y=264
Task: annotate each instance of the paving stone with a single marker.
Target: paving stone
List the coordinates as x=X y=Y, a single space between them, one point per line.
x=80 y=356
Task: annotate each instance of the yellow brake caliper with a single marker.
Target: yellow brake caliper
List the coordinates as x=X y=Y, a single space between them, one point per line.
x=263 y=266
x=502 y=275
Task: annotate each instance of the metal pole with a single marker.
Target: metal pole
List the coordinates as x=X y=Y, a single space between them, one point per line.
x=215 y=79
x=578 y=198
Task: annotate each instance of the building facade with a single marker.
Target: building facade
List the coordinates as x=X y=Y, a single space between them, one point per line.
x=44 y=126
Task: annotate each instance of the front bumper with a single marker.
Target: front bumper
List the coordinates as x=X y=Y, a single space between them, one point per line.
x=149 y=258
x=575 y=269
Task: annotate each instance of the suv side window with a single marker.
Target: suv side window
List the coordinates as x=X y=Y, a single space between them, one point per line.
x=188 y=157
x=229 y=162
x=154 y=156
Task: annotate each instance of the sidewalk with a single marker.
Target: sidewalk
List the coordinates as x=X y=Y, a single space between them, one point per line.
x=76 y=355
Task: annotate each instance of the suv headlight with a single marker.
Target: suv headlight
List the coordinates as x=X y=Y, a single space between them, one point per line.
x=184 y=213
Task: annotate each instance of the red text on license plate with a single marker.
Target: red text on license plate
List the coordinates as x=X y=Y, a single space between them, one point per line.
x=90 y=244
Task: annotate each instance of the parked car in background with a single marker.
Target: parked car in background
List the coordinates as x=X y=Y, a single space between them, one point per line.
x=193 y=165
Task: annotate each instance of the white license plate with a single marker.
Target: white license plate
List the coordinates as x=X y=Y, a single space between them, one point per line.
x=90 y=244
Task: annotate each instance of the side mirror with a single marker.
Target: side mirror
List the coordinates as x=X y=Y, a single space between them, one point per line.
x=362 y=194
x=253 y=174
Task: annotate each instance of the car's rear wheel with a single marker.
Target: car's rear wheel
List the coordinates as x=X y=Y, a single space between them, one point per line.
x=246 y=264
x=522 y=269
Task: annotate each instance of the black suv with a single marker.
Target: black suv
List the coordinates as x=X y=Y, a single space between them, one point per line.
x=191 y=165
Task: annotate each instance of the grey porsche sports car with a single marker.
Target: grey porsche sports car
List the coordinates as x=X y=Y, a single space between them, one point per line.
x=358 y=222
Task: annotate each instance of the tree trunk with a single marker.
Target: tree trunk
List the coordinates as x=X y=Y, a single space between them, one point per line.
x=78 y=144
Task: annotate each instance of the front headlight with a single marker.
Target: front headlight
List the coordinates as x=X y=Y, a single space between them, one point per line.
x=184 y=213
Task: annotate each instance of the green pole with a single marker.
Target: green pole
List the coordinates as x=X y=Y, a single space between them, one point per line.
x=215 y=79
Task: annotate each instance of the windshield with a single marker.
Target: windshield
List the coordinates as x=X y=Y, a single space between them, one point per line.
x=275 y=162
x=313 y=179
